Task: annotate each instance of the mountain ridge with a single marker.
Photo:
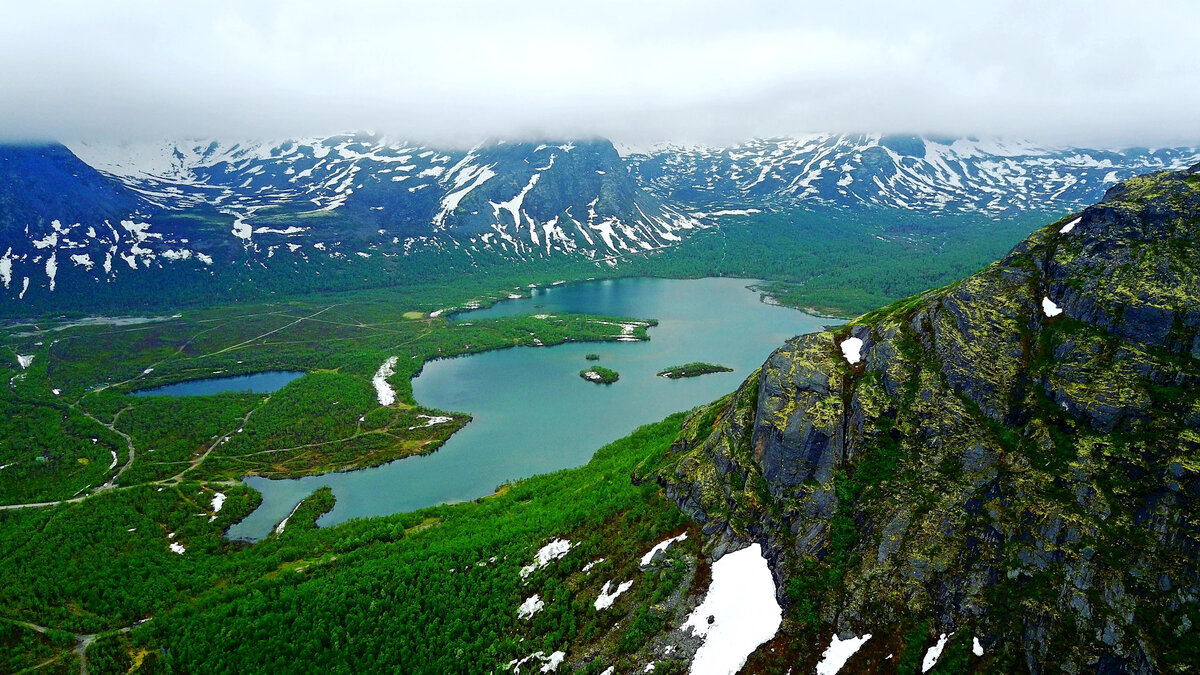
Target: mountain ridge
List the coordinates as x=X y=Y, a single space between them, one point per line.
x=209 y=209
x=1008 y=460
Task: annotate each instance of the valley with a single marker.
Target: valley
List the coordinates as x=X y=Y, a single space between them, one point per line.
x=275 y=467
x=599 y=338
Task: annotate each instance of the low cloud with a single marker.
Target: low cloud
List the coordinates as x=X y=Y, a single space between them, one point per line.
x=1095 y=73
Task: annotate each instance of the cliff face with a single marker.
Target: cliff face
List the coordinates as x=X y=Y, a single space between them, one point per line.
x=1013 y=458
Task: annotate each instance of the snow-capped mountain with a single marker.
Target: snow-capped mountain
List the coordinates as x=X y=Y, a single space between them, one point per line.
x=514 y=198
x=907 y=172
x=97 y=213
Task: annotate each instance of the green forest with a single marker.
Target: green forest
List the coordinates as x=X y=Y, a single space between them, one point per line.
x=112 y=543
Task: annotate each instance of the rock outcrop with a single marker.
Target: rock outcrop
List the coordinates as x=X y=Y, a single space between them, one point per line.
x=1013 y=459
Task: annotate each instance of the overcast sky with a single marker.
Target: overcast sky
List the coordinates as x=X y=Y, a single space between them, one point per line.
x=1092 y=73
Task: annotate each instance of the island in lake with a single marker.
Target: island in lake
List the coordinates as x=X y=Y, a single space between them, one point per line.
x=599 y=375
x=693 y=370
x=592 y=357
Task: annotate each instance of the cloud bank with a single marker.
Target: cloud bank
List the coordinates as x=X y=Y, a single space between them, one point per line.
x=1094 y=73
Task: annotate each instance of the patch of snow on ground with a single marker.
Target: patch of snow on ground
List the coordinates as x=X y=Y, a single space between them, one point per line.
x=976 y=648
x=661 y=546
x=24 y=360
x=588 y=567
x=431 y=420
x=1050 y=308
x=838 y=653
x=531 y=606
x=553 y=662
x=549 y=663
x=218 y=501
x=934 y=653
x=742 y=600
x=552 y=551
x=1070 y=226
x=383 y=390
x=114 y=460
x=852 y=349
x=178 y=547
x=606 y=598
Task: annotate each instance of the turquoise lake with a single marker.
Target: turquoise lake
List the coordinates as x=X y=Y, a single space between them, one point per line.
x=533 y=413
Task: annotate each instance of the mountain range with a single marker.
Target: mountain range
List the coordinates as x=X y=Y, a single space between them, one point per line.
x=88 y=215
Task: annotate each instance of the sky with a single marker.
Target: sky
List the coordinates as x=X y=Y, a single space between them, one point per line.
x=1098 y=73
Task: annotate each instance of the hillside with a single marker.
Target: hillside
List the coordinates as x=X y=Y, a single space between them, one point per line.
x=1005 y=468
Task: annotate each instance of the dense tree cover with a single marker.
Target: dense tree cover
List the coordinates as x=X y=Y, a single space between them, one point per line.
x=305 y=515
x=175 y=431
x=431 y=591
x=106 y=562
x=438 y=590
x=694 y=369
x=48 y=449
x=600 y=375
x=22 y=647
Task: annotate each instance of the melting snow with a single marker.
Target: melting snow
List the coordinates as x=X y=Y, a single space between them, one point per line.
x=661 y=546
x=24 y=360
x=218 y=501
x=976 y=648
x=552 y=551
x=1050 y=308
x=114 y=460
x=177 y=547
x=852 y=349
x=934 y=653
x=742 y=601
x=838 y=653
x=431 y=420
x=1070 y=226
x=383 y=390
x=549 y=663
x=588 y=567
x=606 y=598
x=552 y=663
x=531 y=606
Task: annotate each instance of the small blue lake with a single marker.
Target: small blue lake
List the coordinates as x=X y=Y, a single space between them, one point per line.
x=258 y=383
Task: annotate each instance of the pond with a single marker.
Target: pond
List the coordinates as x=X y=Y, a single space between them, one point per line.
x=257 y=383
x=533 y=414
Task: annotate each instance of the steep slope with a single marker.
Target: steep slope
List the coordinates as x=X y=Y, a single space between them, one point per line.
x=61 y=220
x=36 y=180
x=920 y=174
x=1007 y=467
x=518 y=199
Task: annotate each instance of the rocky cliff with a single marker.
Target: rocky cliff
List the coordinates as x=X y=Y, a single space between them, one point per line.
x=1009 y=465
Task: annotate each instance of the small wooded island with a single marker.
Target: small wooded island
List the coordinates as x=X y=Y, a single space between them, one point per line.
x=693 y=370
x=599 y=375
